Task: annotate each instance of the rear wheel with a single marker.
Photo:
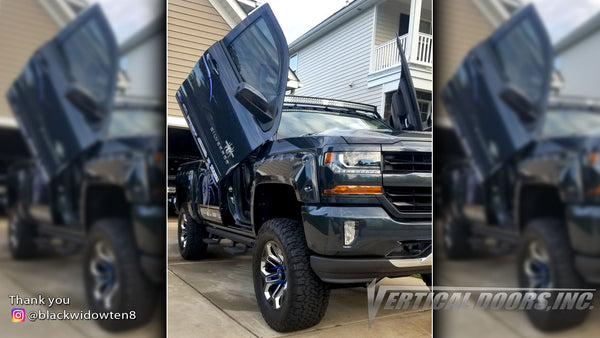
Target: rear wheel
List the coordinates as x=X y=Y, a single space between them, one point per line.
x=114 y=280
x=290 y=295
x=456 y=239
x=190 y=235
x=545 y=260
x=21 y=237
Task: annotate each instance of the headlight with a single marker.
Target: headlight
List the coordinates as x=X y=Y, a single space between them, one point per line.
x=592 y=175
x=353 y=173
x=355 y=162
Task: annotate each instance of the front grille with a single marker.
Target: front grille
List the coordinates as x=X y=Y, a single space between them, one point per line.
x=410 y=199
x=407 y=162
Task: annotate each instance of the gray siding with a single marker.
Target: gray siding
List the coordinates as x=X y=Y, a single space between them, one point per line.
x=328 y=66
x=148 y=55
x=577 y=66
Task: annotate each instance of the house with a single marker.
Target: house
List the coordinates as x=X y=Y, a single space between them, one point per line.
x=143 y=50
x=353 y=54
x=574 y=54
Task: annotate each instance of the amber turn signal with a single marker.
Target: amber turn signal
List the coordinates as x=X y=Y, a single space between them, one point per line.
x=353 y=189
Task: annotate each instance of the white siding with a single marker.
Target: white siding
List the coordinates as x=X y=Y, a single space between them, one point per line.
x=328 y=66
x=577 y=66
x=147 y=56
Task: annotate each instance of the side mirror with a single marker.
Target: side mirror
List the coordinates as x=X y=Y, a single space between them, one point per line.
x=254 y=101
x=520 y=103
x=84 y=101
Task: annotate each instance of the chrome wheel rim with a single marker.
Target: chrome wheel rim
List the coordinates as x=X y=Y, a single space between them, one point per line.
x=272 y=269
x=183 y=231
x=103 y=271
x=537 y=266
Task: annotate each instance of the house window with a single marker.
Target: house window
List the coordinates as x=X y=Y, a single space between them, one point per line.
x=294 y=62
x=387 y=106
x=424 y=102
x=425 y=27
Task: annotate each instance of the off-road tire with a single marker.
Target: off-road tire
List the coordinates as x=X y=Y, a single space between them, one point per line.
x=135 y=292
x=307 y=297
x=427 y=279
x=21 y=237
x=456 y=239
x=552 y=234
x=194 y=247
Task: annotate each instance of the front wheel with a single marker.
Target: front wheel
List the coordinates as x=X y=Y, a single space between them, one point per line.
x=114 y=280
x=457 y=236
x=545 y=260
x=290 y=295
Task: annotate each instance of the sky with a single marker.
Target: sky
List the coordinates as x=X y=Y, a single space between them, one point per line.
x=127 y=17
x=297 y=17
x=561 y=17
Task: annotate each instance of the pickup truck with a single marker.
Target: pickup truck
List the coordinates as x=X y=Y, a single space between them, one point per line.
x=323 y=190
x=531 y=178
x=96 y=178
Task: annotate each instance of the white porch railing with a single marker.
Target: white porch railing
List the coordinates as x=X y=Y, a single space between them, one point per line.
x=424 y=48
x=386 y=55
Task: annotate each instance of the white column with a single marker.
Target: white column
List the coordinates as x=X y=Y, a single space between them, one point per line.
x=412 y=43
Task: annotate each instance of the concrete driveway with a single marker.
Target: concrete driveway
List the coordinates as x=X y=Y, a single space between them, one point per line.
x=491 y=271
x=52 y=275
x=215 y=297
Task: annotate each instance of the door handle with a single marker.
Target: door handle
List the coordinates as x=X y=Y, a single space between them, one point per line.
x=212 y=64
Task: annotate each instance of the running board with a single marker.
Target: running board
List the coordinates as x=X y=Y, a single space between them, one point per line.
x=232 y=236
x=61 y=232
x=501 y=234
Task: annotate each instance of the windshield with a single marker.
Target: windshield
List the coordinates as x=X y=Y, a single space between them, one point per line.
x=132 y=122
x=299 y=123
x=569 y=122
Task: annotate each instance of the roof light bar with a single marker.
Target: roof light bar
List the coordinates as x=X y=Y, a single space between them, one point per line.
x=315 y=101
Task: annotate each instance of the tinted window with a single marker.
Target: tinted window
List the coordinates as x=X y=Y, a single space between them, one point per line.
x=255 y=57
x=87 y=56
x=298 y=123
x=529 y=73
x=570 y=122
x=136 y=122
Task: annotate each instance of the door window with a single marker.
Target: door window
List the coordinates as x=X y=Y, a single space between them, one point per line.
x=255 y=57
x=87 y=55
x=530 y=71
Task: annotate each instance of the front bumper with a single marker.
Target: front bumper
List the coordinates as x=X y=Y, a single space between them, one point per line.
x=363 y=270
x=378 y=235
x=380 y=249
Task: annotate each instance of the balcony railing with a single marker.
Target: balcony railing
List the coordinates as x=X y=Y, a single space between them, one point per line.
x=424 y=48
x=386 y=55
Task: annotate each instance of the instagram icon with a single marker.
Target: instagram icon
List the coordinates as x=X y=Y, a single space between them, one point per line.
x=18 y=315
